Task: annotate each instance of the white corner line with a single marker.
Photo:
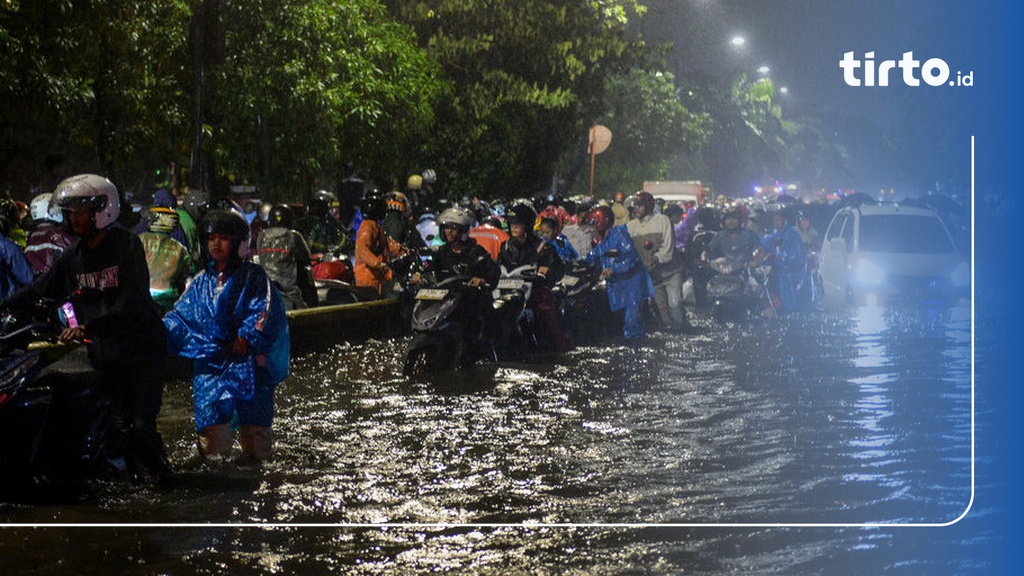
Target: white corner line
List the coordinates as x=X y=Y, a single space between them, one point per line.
x=631 y=525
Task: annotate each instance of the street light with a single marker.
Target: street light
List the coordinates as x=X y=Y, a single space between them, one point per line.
x=764 y=70
x=738 y=41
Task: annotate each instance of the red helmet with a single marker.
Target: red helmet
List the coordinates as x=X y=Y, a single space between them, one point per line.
x=601 y=218
x=646 y=200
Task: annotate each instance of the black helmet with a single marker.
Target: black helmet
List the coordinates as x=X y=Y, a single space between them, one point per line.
x=521 y=214
x=373 y=205
x=281 y=215
x=227 y=223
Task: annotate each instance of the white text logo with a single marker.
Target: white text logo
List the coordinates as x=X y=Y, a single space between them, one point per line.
x=934 y=71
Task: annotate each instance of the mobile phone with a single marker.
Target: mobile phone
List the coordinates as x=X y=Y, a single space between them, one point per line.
x=67 y=315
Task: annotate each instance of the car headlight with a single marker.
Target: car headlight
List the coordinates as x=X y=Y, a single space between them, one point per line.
x=869 y=274
x=962 y=275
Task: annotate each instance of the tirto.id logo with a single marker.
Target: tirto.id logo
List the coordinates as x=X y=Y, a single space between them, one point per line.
x=934 y=71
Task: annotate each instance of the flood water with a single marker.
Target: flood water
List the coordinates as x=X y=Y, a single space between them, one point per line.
x=760 y=448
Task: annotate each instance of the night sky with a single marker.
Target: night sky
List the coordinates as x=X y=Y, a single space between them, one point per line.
x=802 y=42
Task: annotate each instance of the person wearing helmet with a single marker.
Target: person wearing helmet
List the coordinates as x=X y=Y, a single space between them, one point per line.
x=428 y=230
x=734 y=241
x=15 y=271
x=808 y=233
x=257 y=226
x=490 y=235
x=232 y=323
x=321 y=230
x=185 y=232
x=284 y=254
x=48 y=238
x=551 y=233
x=619 y=208
x=460 y=255
x=418 y=200
x=629 y=285
x=788 y=279
x=374 y=248
x=105 y=277
x=524 y=247
x=655 y=243
x=398 y=223
x=168 y=260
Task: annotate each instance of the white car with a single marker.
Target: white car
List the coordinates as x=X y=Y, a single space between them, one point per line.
x=877 y=253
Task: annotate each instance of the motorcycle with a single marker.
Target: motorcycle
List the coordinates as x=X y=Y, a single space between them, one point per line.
x=338 y=286
x=739 y=292
x=445 y=326
x=699 y=270
x=583 y=301
x=57 y=427
x=517 y=336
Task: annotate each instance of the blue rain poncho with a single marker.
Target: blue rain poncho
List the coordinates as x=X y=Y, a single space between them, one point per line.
x=629 y=284
x=789 y=266
x=207 y=318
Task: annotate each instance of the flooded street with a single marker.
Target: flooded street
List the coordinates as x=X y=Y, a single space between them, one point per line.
x=619 y=460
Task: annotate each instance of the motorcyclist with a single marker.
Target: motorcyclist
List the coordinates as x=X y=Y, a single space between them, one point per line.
x=551 y=232
x=398 y=224
x=374 y=248
x=284 y=254
x=490 y=235
x=168 y=260
x=629 y=285
x=322 y=231
x=808 y=233
x=15 y=271
x=655 y=243
x=49 y=237
x=788 y=263
x=461 y=256
x=524 y=247
x=734 y=241
x=105 y=277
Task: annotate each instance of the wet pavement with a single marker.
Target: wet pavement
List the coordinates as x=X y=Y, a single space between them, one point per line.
x=766 y=447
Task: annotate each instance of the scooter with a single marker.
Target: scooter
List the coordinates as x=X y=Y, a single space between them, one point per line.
x=57 y=428
x=446 y=331
x=738 y=292
x=516 y=333
x=583 y=301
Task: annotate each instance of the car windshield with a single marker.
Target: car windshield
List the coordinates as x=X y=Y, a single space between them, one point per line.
x=904 y=234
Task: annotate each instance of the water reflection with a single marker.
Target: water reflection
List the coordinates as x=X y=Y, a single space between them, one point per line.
x=849 y=417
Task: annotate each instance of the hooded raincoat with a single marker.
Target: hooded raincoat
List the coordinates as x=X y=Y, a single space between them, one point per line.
x=209 y=315
x=629 y=284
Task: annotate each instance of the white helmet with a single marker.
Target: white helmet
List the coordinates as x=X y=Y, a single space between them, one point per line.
x=40 y=209
x=95 y=192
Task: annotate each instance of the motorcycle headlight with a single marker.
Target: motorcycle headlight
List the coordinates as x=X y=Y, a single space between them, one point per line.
x=869 y=273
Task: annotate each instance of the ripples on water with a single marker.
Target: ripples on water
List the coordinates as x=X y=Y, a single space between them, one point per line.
x=855 y=417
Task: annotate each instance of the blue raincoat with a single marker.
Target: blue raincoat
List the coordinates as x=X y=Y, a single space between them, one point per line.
x=629 y=284
x=208 y=317
x=789 y=266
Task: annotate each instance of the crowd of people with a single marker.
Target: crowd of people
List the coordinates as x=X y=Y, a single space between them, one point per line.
x=212 y=281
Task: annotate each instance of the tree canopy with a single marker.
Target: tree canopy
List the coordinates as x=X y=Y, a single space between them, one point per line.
x=495 y=96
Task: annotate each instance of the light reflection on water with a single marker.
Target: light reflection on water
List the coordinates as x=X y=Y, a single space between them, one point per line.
x=846 y=417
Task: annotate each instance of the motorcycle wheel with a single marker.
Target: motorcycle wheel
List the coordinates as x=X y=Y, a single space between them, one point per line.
x=420 y=362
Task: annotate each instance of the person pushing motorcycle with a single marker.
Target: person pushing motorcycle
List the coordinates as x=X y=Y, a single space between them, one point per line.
x=106 y=279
